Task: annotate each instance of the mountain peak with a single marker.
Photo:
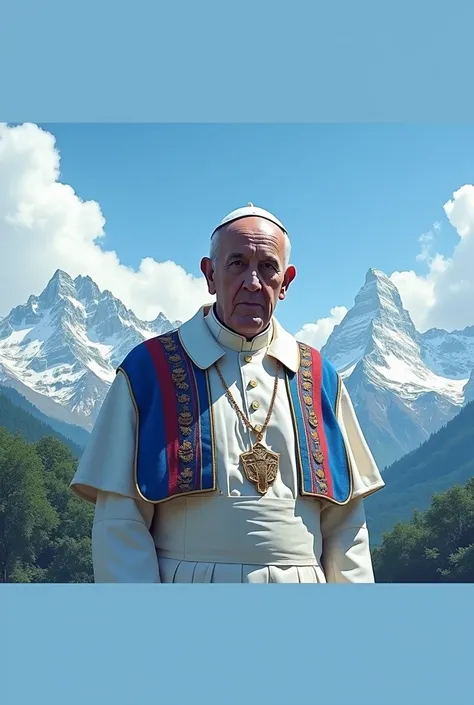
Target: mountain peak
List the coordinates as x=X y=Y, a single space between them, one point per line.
x=377 y=324
x=60 y=285
x=59 y=280
x=380 y=295
x=87 y=289
x=67 y=343
x=82 y=280
x=61 y=276
x=382 y=287
x=375 y=275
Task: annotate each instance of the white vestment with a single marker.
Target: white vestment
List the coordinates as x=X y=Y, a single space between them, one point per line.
x=232 y=534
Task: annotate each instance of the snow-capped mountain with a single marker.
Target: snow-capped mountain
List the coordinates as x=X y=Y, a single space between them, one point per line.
x=61 y=349
x=404 y=385
x=449 y=354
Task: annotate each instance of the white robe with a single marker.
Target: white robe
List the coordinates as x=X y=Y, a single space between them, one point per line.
x=232 y=534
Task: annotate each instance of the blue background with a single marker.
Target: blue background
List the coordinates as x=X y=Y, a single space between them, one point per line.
x=251 y=61
x=238 y=645
x=127 y=645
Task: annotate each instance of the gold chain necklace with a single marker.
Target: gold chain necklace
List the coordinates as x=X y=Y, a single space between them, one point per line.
x=260 y=464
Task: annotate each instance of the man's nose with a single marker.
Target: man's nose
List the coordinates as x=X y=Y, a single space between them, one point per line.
x=252 y=281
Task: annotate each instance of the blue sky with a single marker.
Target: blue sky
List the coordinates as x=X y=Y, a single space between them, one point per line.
x=352 y=196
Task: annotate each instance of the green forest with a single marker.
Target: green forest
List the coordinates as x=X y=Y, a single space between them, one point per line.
x=446 y=459
x=436 y=546
x=45 y=530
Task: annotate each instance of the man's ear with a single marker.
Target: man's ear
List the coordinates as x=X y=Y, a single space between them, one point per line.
x=207 y=268
x=290 y=274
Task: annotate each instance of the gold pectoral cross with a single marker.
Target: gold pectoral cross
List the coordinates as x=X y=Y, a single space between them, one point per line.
x=260 y=466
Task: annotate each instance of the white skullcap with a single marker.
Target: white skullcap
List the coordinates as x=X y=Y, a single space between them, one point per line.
x=250 y=210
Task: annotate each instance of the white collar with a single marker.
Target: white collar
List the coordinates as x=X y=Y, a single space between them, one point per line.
x=229 y=339
x=198 y=338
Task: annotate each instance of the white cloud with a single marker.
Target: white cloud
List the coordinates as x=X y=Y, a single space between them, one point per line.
x=44 y=226
x=426 y=242
x=316 y=334
x=444 y=296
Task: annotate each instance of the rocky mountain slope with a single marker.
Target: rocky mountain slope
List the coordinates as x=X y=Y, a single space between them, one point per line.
x=60 y=349
x=404 y=385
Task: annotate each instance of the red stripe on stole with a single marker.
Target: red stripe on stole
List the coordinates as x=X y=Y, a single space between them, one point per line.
x=170 y=418
x=197 y=426
x=318 y=408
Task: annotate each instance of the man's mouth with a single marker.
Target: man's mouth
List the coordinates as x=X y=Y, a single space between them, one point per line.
x=250 y=304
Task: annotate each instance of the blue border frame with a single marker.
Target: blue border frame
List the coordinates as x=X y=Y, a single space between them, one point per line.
x=235 y=644
x=226 y=645
x=253 y=62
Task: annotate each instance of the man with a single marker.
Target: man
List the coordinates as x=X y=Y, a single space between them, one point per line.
x=226 y=451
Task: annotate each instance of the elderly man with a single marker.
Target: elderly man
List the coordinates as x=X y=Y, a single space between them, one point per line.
x=227 y=451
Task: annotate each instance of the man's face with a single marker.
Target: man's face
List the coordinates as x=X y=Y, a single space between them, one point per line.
x=248 y=277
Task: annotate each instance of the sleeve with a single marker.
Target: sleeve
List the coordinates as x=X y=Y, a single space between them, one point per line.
x=346 y=551
x=123 y=548
x=346 y=554
x=107 y=462
x=366 y=477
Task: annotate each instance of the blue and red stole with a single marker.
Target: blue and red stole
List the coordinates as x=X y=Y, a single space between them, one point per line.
x=175 y=441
